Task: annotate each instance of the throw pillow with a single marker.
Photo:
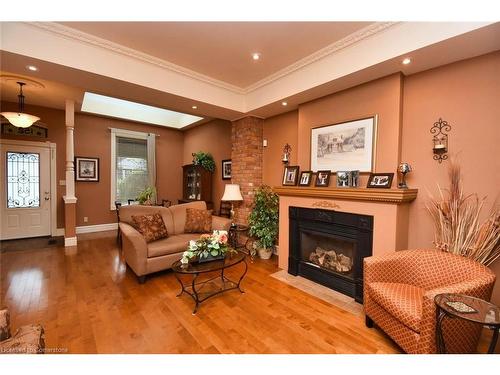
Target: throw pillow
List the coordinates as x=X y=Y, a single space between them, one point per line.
x=151 y=227
x=198 y=221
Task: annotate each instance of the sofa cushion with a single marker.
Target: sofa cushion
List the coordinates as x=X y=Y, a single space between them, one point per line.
x=178 y=212
x=174 y=244
x=403 y=301
x=127 y=211
x=151 y=227
x=198 y=221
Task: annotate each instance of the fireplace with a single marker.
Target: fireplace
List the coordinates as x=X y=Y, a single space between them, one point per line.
x=328 y=247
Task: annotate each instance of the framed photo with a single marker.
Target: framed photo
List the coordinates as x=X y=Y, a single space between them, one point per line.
x=344 y=146
x=290 y=176
x=343 y=179
x=87 y=169
x=322 y=179
x=354 y=178
x=380 y=180
x=305 y=178
x=226 y=169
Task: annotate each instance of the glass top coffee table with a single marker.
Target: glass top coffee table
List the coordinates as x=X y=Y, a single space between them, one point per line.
x=468 y=308
x=217 y=283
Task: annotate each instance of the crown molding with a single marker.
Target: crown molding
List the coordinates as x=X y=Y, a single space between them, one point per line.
x=73 y=34
x=341 y=44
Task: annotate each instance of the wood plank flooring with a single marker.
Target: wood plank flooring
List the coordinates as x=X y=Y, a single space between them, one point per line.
x=89 y=302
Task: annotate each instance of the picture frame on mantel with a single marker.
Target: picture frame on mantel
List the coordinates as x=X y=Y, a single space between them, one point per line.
x=380 y=180
x=348 y=145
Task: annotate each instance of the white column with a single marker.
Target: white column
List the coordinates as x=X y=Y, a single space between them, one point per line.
x=70 y=153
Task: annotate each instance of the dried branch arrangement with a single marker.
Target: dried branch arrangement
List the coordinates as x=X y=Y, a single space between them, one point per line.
x=456 y=219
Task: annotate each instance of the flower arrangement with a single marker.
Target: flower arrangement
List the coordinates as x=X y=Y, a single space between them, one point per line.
x=215 y=245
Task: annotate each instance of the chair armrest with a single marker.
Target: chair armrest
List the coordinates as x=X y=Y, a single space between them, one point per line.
x=4 y=324
x=220 y=223
x=135 y=248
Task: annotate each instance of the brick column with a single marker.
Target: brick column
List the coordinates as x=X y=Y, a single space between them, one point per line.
x=246 y=156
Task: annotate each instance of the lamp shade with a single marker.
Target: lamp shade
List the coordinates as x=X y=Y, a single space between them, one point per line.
x=232 y=193
x=19 y=119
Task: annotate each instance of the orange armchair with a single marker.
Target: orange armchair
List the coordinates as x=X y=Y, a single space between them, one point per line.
x=399 y=290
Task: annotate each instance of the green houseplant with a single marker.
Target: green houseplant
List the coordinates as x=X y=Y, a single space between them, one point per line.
x=263 y=221
x=205 y=159
x=146 y=196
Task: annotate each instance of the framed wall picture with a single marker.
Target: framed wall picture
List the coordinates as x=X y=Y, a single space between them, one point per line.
x=344 y=146
x=290 y=175
x=226 y=169
x=322 y=179
x=380 y=180
x=305 y=178
x=86 y=169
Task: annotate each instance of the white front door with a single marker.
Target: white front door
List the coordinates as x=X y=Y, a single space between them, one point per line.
x=25 y=191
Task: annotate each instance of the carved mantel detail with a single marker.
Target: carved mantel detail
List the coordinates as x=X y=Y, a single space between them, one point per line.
x=395 y=196
x=325 y=204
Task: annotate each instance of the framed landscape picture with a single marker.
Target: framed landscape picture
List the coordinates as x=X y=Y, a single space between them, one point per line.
x=226 y=169
x=344 y=146
x=86 y=169
x=380 y=180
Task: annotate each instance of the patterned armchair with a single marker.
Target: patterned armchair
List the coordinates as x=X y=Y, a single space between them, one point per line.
x=399 y=290
x=28 y=339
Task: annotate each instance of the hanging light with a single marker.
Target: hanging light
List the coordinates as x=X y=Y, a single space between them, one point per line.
x=20 y=119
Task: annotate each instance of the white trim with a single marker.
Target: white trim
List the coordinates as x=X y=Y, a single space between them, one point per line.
x=128 y=134
x=58 y=232
x=53 y=174
x=96 y=228
x=69 y=199
x=70 y=241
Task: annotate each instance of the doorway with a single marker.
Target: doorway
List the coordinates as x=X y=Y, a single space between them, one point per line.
x=27 y=193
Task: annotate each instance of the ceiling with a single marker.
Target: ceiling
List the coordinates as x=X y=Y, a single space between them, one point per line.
x=222 y=50
x=176 y=66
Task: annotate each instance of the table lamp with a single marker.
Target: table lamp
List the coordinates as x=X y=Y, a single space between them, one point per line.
x=232 y=194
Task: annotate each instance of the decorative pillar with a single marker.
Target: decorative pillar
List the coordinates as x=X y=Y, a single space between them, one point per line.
x=69 y=197
x=246 y=156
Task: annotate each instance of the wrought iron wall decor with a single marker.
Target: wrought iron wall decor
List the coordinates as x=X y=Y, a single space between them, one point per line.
x=440 y=140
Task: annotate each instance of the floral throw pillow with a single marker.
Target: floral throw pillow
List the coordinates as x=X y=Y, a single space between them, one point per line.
x=198 y=221
x=151 y=227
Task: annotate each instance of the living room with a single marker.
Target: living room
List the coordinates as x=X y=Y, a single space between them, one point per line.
x=254 y=109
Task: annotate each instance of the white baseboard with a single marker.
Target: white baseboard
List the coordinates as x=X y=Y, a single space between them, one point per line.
x=59 y=232
x=70 y=241
x=96 y=228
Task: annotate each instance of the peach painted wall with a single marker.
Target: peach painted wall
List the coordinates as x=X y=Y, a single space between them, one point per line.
x=213 y=137
x=93 y=138
x=381 y=97
x=467 y=95
x=278 y=131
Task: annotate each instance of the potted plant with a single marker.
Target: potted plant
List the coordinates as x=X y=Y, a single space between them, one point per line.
x=145 y=197
x=263 y=221
x=205 y=159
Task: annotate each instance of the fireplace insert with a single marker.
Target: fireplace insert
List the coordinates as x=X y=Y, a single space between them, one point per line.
x=328 y=247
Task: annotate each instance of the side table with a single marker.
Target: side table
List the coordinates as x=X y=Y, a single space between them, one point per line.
x=234 y=236
x=472 y=309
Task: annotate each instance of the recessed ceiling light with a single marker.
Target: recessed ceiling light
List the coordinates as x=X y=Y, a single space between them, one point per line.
x=256 y=56
x=284 y=104
x=406 y=61
x=33 y=68
x=194 y=107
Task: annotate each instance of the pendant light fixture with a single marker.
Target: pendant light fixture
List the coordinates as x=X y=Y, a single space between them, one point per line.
x=20 y=119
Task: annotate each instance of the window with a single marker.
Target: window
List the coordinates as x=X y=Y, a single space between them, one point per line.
x=23 y=180
x=132 y=164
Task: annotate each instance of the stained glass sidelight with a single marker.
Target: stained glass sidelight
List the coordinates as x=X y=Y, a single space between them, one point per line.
x=23 y=180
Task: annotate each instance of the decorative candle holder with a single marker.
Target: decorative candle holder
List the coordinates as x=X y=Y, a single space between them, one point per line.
x=440 y=140
x=286 y=154
x=404 y=168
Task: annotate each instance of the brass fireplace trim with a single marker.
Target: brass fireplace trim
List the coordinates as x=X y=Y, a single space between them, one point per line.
x=397 y=196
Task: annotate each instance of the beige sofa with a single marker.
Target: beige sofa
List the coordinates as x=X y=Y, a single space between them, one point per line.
x=145 y=258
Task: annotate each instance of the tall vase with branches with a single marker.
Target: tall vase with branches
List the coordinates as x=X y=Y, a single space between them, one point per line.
x=457 y=222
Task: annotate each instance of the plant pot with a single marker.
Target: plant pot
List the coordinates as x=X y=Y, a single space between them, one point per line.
x=211 y=258
x=265 y=253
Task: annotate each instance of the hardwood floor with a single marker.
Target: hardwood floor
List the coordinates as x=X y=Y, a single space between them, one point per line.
x=89 y=302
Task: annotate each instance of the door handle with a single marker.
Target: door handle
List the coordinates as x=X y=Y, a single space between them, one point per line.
x=47 y=198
